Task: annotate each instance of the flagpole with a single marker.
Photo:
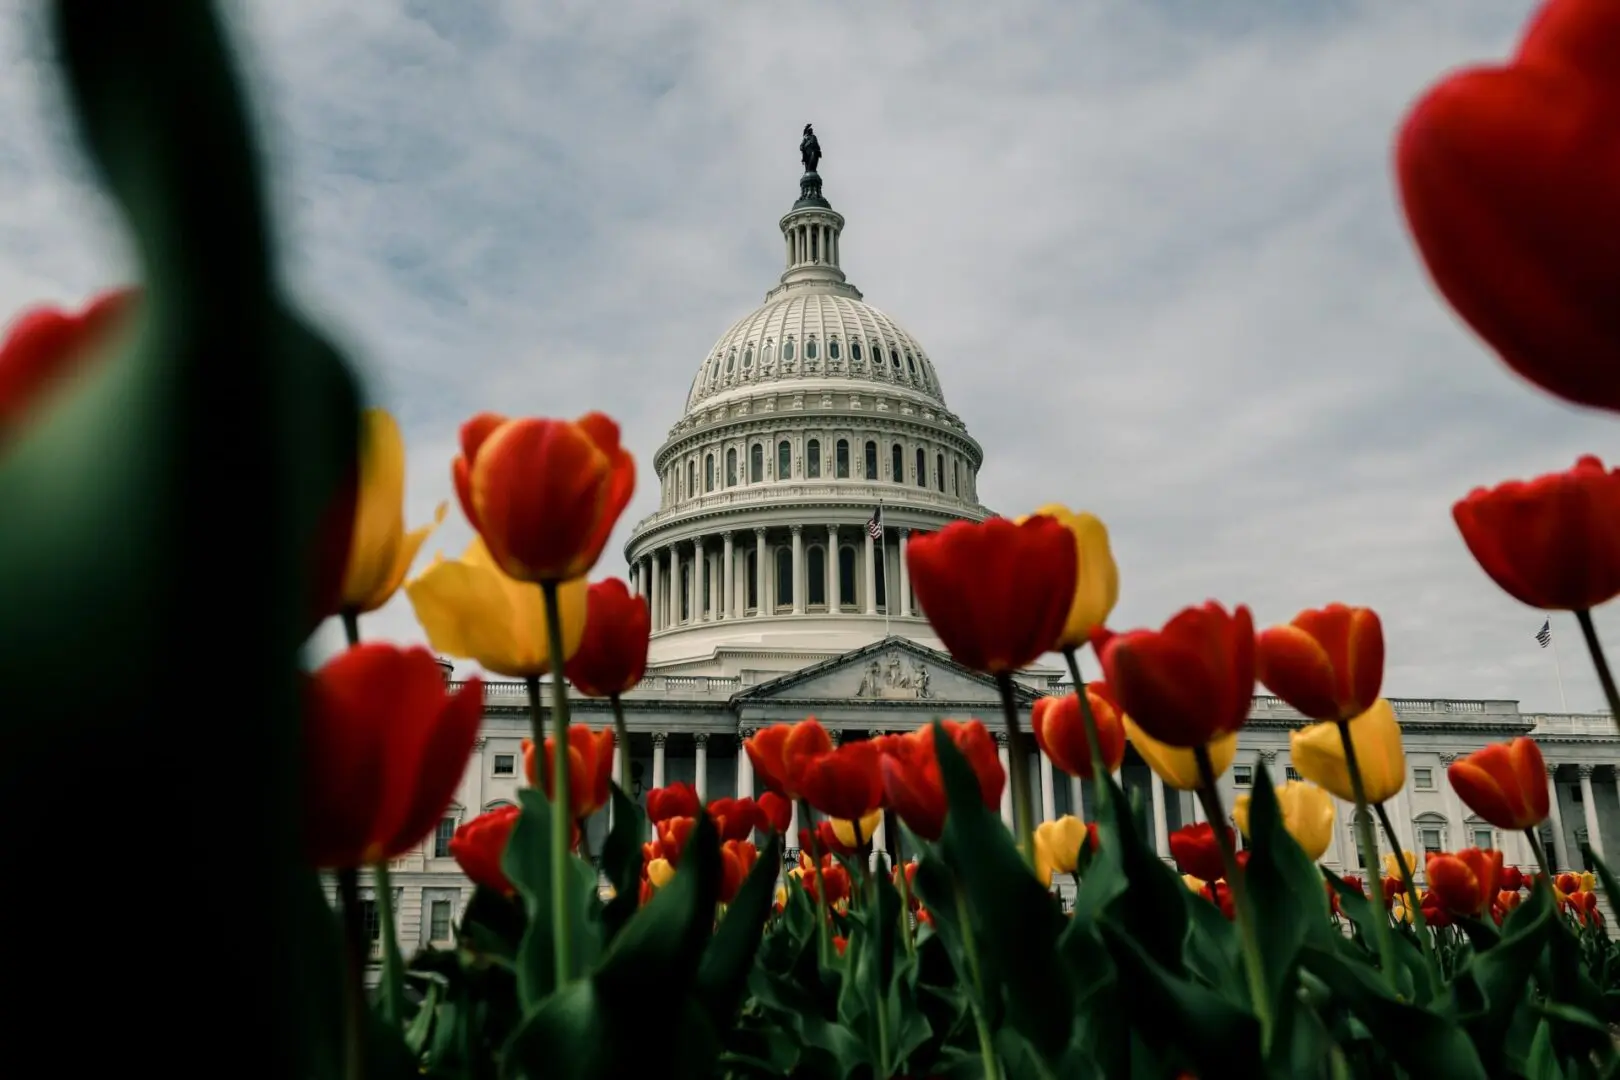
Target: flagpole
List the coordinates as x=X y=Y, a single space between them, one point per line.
x=883 y=553
x=1558 y=668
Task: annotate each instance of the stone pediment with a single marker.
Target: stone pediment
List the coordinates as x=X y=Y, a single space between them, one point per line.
x=894 y=670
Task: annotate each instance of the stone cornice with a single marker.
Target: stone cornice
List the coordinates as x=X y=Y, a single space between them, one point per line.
x=814 y=511
x=942 y=426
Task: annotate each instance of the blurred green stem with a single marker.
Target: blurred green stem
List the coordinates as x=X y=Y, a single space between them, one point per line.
x=621 y=735
x=823 y=942
x=1099 y=767
x=1018 y=770
x=1413 y=903
x=562 y=825
x=354 y=971
x=1599 y=661
x=1540 y=849
x=891 y=829
x=987 y=1045
x=1248 y=932
x=1368 y=845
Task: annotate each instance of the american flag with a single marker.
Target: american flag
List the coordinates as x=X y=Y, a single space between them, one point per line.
x=874 y=526
x=1544 y=635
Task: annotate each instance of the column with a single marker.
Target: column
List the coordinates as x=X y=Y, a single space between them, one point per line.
x=879 y=844
x=833 y=582
x=1161 y=820
x=1048 y=787
x=1589 y=804
x=702 y=785
x=905 y=580
x=1559 y=855
x=798 y=569
x=1001 y=753
x=728 y=577
x=745 y=767
x=659 y=739
x=1077 y=798
x=699 y=565
x=653 y=597
x=871 y=573
x=759 y=572
x=618 y=756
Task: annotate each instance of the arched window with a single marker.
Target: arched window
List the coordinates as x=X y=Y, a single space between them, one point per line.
x=871 y=460
x=784 y=577
x=878 y=575
x=686 y=591
x=731 y=361
x=810 y=349
x=894 y=358
x=939 y=472
x=897 y=464
x=843 y=459
x=922 y=468
x=854 y=351
x=784 y=460
x=816 y=568
x=708 y=472
x=756 y=463
x=956 y=477
x=812 y=459
x=911 y=365
x=765 y=355
x=787 y=349
x=832 y=349
x=846 y=576
x=753 y=580
x=877 y=355
x=731 y=467
x=691 y=478
x=748 y=357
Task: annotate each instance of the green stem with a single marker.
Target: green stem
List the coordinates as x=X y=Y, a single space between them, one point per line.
x=393 y=965
x=880 y=1010
x=1088 y=719
x=354 y=971
x=987 y=1046
x=1414 y=904
x=621 y=736
x=890 y=825
x=1367 y=843
x=351 y=626
x=561 y=819
x=1605 y=676
x=823 y=942
x=1541 y=852
x=1248 y=932
x=1018 y=770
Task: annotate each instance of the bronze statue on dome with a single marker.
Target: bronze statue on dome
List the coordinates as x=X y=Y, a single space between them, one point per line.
x=810 y=149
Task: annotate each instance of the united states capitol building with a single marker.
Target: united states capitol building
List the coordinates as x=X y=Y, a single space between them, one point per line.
x=814 y=442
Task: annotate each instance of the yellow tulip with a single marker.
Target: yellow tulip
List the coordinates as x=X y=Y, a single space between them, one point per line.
x=1057 y=847
x=1096 y=586
x=845 y=830
x=1318 y=754
x=1588 y=881
x=1307 y=813
x=1392 y=865
x=781 y=896
x=660 y=873
x=1195 y=884
x=469 y=608
x=381 y=551
x=1177 y=766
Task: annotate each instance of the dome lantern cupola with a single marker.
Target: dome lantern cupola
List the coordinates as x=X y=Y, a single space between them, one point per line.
x=812 y=231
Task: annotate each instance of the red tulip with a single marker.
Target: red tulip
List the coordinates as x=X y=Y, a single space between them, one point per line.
x=384 y=750
x=1464 y=883
x=736 y=819
x=671 y=843
x=1197 y=852
x=590 y=769
x=846 y=783
x=1504 y=783
x=544 y=494
x=824 y=838
x=998 y=594
x=479 y=846
x=1328 y=663
x=737 y=858
x=1552 y=542
x=47 y=346
x=776 y=811
x=780 y=752
x=1512 y=879
x=676 y=800
x=1190 y=682
x=612 y=656
x=1061 y=734
x=914 y=785
x=1508 y=175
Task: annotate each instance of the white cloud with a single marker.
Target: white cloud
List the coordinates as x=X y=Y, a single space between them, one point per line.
x=1154 y=252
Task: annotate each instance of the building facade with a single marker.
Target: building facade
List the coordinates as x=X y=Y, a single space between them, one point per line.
x=815 y=440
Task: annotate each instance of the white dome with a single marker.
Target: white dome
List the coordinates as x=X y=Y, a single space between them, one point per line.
x=826 y=337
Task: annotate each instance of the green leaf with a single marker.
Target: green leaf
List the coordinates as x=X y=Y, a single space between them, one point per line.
x=1012 y=916
x=492 y=926
x=722 y=978
x=527 y=863
x=1285 y=888
x=1218 y=1037
x=622 y=862
x=1420 y=1041
x=1152 y=907
x=1502 y=973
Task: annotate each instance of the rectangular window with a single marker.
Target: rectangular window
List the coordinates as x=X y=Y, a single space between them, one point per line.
x=871 y=461
x=1483 y=839
x=439 y=921
x=505 y=764
x=441 y=837
x=1430 y=840
x=1423 y=778
x=371 y=919
x=1242 y=775
x=1291 y=773
x=812 y=459
x=1575 y=794
x=843 y=460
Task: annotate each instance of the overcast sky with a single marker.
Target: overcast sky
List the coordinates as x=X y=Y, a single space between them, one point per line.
x=1152 y=249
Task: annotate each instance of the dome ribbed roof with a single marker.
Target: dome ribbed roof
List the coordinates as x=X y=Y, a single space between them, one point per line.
x=814 y=336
